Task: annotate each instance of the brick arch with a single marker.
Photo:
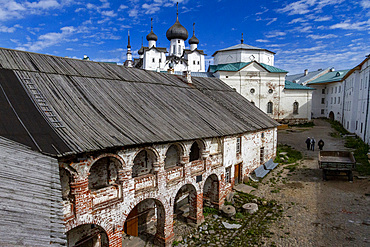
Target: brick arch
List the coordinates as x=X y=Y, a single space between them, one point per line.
x=108 y=155
x=187 y=194
x=211 y=191
x=201 y=145
x=105 y=224
x=169 y=160
x=133 y=214
x=86 y=232
x=156 y=153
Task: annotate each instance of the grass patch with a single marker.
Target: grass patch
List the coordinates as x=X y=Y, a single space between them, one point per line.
x=360 y=153
x=292 y=154
x=308 y=124
x=291 y=168
x=252 y=183
x=338 y=127
x=207 y=211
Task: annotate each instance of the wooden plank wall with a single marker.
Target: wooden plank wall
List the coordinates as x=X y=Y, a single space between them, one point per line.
x=30 y=198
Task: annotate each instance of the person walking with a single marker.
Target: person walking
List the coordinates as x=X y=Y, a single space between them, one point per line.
x=313 y=144
x=308 y=143
x=321 y=144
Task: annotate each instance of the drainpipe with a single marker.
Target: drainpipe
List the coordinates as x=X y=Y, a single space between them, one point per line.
x=367 y=110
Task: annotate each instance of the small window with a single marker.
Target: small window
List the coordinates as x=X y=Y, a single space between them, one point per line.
x=331 y=100
x=198 y=62
x=338 y=100
x=262 y=135
x=227 y=76
x=153 y=60
x=335 y=100
x=181 y=62
x=269 y=107
x=322 y=100
x=336 y=89
x=323 y=91
x=252 y=102
x=262 y=155
x=271 y=91
x=322 y=111
x=227 y=175
x=339 y=89
x=160 y=60
x=295 y=107
x=178 y=41
x=238 y=145
x=362 y=126
x=252 y=90
x=194 y=62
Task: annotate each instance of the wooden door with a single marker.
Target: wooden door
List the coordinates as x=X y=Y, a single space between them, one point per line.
x=237 y=174
x=132 y=223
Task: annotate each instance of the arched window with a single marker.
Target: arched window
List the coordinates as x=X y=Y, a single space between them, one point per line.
x=194 y=152
x=269 y=107
x=143 y=163
x=172 y=157
x=295 y=107
x=103 y=173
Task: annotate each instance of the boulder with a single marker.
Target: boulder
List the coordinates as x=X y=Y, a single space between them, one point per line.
x=250 y=208
x=228 y=211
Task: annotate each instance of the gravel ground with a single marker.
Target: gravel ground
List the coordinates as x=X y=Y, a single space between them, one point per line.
x=316 y=212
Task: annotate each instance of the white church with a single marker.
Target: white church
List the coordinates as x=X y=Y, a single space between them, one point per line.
x=249 y=70
x=177 y=58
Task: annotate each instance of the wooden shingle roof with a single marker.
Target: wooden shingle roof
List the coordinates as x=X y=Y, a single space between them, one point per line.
x=80 y=106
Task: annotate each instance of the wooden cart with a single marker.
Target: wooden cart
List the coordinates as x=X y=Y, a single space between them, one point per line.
x=336 y=163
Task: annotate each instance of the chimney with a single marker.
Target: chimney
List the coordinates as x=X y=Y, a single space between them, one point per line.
x=305 y=72
x=187 y=75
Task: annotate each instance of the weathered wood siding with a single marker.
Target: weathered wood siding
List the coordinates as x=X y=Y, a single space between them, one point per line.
x=30 y=198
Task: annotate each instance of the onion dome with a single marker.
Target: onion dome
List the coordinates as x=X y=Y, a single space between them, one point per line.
x=193 y=39
x=151 y=35
x=177 y=31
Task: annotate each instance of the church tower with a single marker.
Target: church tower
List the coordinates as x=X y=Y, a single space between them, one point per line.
x=151 y=37
x=177 y=35
x=128 y=62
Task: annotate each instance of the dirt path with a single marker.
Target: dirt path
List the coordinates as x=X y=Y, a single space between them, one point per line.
x=316 y=212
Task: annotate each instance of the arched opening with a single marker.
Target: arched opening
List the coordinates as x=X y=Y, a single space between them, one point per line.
x=211 y=192
x=89 y=235
x=195 y=152
x=172 y=157
x=331 y=116
x=143 y=163
x=295 y=107
x=65 y=180
x=146 y=220
x=215 y=145
x=104 y=173
x=269 y=107
x=185 y=203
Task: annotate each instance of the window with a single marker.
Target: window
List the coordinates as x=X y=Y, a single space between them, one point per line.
x=160 y=60
x=252 y=102
x=227 y=174
x=339 y=89
x=295 y=107
x=338 y=100
x=194 y=62
x=331 y=100
x=322 y=111
x=322 y=100
x=179 y=49
x=332 y=90
x=262 y=135
x=252 y=90
x=323 y=91
x=336 y=89
x=335 y=100
x=262 y=155
x=194 y=152
x=271 y=91
x=153 y=60
x=269 y=107
x=174 y=49
x=198 y=62
x=361 y=126
x=178 y=41
x=238 y=145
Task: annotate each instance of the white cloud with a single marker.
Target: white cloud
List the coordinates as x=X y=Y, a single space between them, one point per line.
x=365 y=4
x=150 y=8
x=306 y=6
x=49 y=39
x=327 y=36
x=274 y=34
x=122 y=7
x=297 y=20
x=262 y=40
x=133 y=13
x=272 y=20
x=323 y=18
x=109 y=13
x=346 y=25
x=43 y=4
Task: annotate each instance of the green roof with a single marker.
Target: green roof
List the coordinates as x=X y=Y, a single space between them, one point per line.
x=296 y=86
x=240 y=65
x=334 y=76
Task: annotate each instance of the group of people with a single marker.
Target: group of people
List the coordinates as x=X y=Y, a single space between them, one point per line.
x=311 y=144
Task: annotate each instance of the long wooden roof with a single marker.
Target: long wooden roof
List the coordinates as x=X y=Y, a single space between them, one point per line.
x=60 y=105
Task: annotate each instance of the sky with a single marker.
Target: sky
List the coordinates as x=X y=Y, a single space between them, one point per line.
x=304 y=34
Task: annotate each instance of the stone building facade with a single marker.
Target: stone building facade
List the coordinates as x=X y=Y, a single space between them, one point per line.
x=136 y=149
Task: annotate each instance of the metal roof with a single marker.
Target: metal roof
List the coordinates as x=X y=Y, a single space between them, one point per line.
x=242 y=47
x=329 y=77
x=295 y=86
x=61 y=105
x=301 y=78
x=238 y=66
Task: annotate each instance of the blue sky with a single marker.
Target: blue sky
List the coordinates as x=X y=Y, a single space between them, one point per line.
x=304 y=34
